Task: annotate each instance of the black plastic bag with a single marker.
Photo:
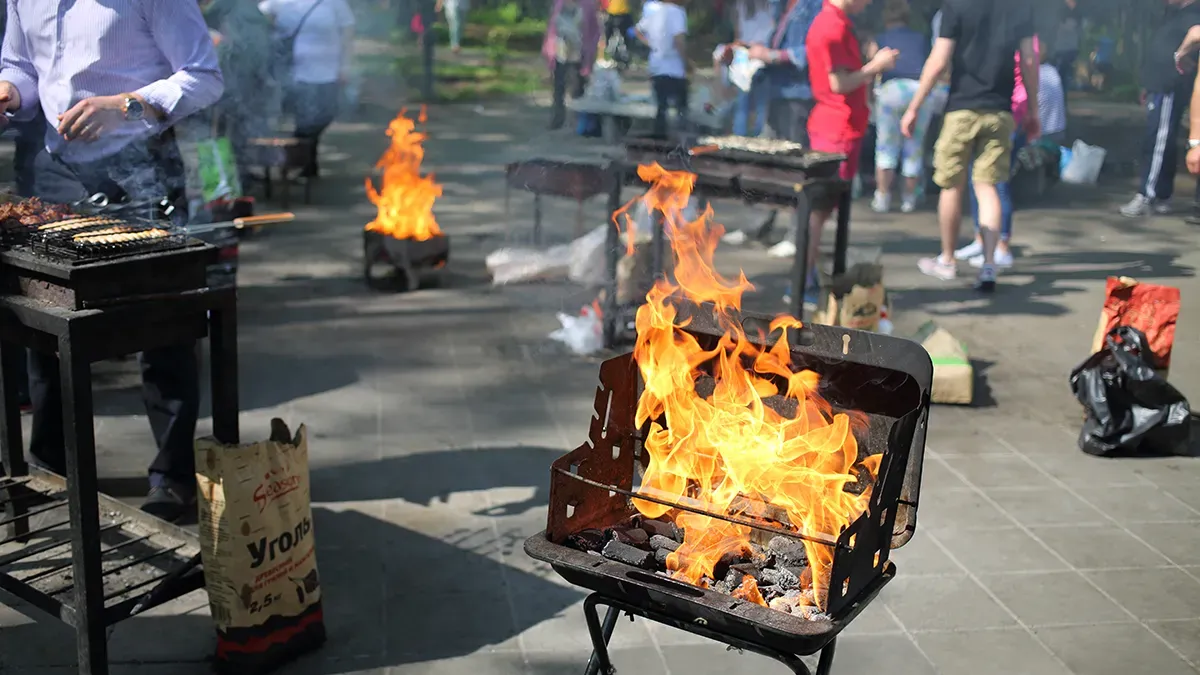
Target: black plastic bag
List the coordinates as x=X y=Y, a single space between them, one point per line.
x=1131 y=409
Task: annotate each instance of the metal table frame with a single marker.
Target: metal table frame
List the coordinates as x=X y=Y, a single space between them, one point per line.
x=81 y=338
x=798 y=196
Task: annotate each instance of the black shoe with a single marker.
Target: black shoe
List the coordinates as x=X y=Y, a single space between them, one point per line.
x=986 y=283
x=170 y=501
x=1193 y=218
x=766 y=228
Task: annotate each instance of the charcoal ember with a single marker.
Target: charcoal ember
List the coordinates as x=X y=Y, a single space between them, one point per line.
x=806 y=580
x=730 y=582
x=728 y=560
x=660 y=556
x=633 y=536
x=630 y=555
x=781 y=577
x=788 y=551
x=749 y=569
x=662 y=528
x=659 y=542
x=587 y=540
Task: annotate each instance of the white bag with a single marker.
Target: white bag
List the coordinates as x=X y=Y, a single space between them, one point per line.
x=587 y=265
x=1086 y=162
x=516 y=265
x=582 y=334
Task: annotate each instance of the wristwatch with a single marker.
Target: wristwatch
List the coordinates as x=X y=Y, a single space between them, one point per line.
x=1193 y=143
x=133 y=109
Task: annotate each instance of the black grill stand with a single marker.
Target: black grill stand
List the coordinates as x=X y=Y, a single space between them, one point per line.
x=795 y=196
x=82 y=338
x=601 y=664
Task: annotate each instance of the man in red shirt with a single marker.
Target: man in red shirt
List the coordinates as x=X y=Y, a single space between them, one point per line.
x=840 y=115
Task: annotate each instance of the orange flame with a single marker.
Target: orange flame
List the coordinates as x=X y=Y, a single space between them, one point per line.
x=405 y=201
x=730 y=445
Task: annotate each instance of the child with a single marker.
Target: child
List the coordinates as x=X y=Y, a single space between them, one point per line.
x=664 y=29
x=839 y=118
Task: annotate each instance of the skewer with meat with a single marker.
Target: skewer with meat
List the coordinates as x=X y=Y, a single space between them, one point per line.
x=116 y=229
x=77 y=224
x=95 y=238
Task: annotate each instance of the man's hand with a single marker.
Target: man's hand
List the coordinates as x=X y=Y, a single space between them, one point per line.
x=761 y=53
x=10 y=98
x=908 y=123
x=726 y=57
x=92 y=118
x=1193 y=161
x=883 y=61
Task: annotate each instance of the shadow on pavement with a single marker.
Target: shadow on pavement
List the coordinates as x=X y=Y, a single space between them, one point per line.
x=429 y=477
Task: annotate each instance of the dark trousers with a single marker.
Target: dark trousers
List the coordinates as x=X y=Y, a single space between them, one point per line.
x=618 y=24
x=669 y=92
x=1160 y=153
x=170 y=375
x=314 y=105
x=566 y=75
x=788 y=119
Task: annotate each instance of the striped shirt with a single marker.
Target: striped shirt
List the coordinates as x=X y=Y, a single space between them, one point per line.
x=1052 y=106
x=60 y=52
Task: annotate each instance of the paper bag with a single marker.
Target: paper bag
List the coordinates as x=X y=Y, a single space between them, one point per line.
x=953 y=376
x=256 y=538
x=856 y=298
x=1151 y=309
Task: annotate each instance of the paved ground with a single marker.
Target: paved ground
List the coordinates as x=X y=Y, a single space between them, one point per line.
x=435 y=417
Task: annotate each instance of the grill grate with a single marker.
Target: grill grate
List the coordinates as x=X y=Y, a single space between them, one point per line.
x=99 y=238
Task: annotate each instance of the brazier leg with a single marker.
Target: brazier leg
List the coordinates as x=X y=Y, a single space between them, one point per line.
x=800 y=264
x=12 y=445
x=842 y=243
x=599 y=663
x=612 y=244
x=825 y=663
x=80 y=441
x=222 y=336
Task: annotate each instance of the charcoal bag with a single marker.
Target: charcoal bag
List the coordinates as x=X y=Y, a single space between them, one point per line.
x=1131 y=409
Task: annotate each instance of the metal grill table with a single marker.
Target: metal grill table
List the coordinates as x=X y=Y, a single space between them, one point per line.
x=796 y=182
x=82 y=337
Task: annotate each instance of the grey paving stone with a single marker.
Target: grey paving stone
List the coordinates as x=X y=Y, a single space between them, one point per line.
x=552 y=626
x=989 y=652
x=473 y=664
x=626 y=660
x=963 y=508
x=1138 y=504
x=943 y=603
x=1055 y=598
x=1184 y=636
x=998 y=471
x=1098 y=547
x=935 y=478
x=1185 y=491
x=1152 y=594
x=1009 y=550
x=963 y=440
x=1180 y=542
x=922 y=556
x=1112 y=650
x=1045 y=506
x=1080 y=470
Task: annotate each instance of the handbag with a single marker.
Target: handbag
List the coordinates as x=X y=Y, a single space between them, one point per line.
x=285 y=48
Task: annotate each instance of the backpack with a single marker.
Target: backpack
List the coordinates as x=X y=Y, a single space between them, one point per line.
x=284 y=48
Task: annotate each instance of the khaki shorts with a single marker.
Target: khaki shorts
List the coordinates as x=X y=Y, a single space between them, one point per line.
x=967 y=134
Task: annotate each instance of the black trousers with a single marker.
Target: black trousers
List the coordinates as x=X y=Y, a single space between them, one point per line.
x=1160 y=152
x=669 y=92
x=617 y=24
x=170 y=375
x=315 y=105
x=566 y=76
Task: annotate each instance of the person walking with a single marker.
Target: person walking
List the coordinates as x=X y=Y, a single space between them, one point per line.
x=135 y=68
x=455 y=11
x=973 y=252
x=322 y=34
x=1165 y=92
x=572 y=38
x=896 y=90
x=977 y=39
x=1185 y=59
x=1066 y=48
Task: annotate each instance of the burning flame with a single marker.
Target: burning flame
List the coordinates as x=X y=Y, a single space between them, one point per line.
x=406 y=199
x=727 y=448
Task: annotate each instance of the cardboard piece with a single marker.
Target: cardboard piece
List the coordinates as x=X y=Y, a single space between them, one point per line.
x=953 y=376
x=856 y=298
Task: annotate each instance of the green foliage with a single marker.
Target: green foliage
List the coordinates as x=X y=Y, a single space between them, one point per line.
x=497 y=47
x=508 y=14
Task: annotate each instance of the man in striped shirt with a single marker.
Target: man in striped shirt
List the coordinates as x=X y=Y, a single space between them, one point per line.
x=110 y=78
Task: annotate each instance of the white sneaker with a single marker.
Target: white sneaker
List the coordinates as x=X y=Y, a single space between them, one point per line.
x=881 y=203
x=784 y=249
x=1002 y=260
x=1137 y=207
x=969 y=251
x=1162 y=207
x=937 y=268
x=909 y=204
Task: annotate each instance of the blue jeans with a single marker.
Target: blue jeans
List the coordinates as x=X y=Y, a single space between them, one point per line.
x=1005 y=190
x=453 y=21
x=757 y=99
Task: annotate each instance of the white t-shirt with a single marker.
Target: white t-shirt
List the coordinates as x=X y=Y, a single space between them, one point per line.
x=755 y=28
x=661 y=27
x=1052 y=107
x=318 y=53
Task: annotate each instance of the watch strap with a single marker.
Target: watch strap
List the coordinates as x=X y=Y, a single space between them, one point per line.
x=1193 y=143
